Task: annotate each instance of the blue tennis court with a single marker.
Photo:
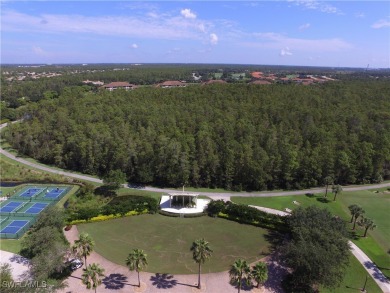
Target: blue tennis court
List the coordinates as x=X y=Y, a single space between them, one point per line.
x=36 y=208
x=10 y=207
x=31 y=192
x=54 y=193
x=14 y=227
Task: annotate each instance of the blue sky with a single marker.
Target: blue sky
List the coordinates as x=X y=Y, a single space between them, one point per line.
x=294 y=32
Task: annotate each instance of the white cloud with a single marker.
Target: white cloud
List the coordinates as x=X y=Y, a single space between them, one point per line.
x=38 y=50
x=187 y=13
x=285 y=52
x=360 y=15
x=155 y=27
x=304 y=26
x=317 y=5
x=381 y=23
x=213 y=39
x=277 y=41
x=134 y=46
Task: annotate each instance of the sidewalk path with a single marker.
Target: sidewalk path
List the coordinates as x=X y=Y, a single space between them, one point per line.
x=19 y=264
x=371 y=268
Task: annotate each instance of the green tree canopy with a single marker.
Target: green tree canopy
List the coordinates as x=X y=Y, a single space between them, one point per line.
x=318 y=252
x=114 y=178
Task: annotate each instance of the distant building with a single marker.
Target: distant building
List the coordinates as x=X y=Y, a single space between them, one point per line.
x=263 y=82
x=93 y=82
x=172 y=83
x=257 y=74
x=211 y=81
x=119 y=85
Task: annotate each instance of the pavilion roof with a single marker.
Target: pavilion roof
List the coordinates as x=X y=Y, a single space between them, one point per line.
x=183 y=193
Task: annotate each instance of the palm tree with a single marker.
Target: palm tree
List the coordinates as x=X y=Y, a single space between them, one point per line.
x=91 y=274
x=137 y=261
x=336 y=190
x=328 y=181
x=260 y=273
x=352 y=208
x=240 y=273
x=356 y=212
x=83 y=246
x=367 y=224
x=201 y=251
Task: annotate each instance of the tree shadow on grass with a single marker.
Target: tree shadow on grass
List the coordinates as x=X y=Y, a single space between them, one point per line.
x=163 y=281
x=275 y=239
x=323 y=199
x=115 y=281
x=353 y=288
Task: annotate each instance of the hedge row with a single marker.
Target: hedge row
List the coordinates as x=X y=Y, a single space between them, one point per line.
x=120 y=205
x=246 y=215
x=101 y=218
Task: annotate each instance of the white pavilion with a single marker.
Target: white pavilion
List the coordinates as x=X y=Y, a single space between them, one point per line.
x=183 y=203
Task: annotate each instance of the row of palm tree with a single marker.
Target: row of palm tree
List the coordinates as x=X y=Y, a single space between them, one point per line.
x=336 y=189
x=240 y=273
x=357 y=212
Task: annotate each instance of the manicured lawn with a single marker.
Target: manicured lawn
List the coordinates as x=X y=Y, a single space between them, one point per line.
x=376 y=205
x=167 y=241
x=354 y=278
x=10 y=245
x=282 y=202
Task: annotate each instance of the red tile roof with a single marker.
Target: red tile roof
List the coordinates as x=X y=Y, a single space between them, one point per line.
x=172 y=83
x=215 y=81
x=260 y=82
x=118 y=84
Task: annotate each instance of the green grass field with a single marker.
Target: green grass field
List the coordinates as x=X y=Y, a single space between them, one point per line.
x=167 y=241
x=10 y=245
x=376 y=205
x=354 y=278
x=282 y=202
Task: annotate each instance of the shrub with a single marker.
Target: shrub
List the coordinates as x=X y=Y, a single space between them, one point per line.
x=101 y=218
x=246 y=215
x=123 y=204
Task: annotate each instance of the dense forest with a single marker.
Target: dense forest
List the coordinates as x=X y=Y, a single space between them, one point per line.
x=235 y=136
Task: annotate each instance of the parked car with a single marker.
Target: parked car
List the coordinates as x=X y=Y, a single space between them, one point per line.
x=75 y=264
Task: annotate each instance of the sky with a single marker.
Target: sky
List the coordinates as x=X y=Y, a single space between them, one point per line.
x=287 y=32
